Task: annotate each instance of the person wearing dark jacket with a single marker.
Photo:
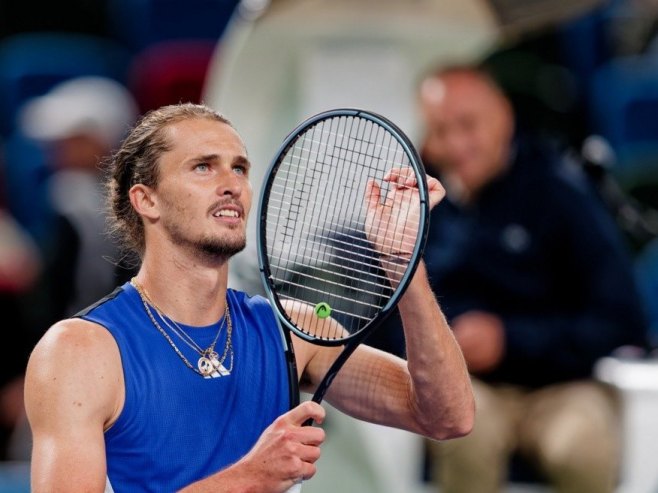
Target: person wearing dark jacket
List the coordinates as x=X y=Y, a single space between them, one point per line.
x=537 y=284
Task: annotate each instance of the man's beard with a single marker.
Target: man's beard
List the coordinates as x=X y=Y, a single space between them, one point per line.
x=208 y=247
x=219 y=248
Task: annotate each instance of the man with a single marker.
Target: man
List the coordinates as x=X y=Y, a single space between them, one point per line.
x=536 y=285
x=119 y=391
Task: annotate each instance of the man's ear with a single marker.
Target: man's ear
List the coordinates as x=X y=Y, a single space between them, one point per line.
x=144 y=201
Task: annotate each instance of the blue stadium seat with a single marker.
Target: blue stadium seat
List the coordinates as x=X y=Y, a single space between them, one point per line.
x=646 y=268
x=583 y=44
x=140 y=23
x=623 y=109
x=26 y=174
x=32 y=63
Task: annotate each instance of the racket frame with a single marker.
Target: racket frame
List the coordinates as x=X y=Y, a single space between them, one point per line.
x=352 y=341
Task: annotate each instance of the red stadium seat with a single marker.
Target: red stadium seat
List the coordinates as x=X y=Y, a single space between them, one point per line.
x=170 y=72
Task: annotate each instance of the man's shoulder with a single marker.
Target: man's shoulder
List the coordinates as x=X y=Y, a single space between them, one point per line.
x=251 y=307
x=250 y=300
x=73 y=338
x=75 y=359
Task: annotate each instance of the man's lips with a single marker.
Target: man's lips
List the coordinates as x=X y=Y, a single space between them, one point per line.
x=230 y=211
x=226 y=213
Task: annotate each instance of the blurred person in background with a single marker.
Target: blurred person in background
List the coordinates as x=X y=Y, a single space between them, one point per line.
x=78 y=122
x=20 y=264
x=537 y=285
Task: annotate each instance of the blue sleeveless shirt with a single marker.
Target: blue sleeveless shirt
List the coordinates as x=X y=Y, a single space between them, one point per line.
x=177 y=427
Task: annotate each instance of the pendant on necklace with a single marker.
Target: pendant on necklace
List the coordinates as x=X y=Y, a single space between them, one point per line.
x=206 y=367
x=210 y=366
x=219 y=367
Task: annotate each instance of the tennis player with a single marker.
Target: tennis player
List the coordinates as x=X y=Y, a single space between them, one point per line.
x=174 y=381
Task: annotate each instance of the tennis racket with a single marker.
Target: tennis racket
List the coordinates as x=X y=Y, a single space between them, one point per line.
x=333 y=267
x=343 y=219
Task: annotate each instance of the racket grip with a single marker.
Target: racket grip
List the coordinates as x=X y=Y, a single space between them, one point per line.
x=297 y=487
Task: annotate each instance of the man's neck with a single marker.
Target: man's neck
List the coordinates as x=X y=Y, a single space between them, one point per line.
x=186 y=288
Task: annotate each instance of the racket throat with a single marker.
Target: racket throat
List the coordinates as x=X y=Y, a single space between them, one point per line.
x=322 y=388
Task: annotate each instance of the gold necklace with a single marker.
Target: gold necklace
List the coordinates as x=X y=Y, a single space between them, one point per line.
x=209 y=364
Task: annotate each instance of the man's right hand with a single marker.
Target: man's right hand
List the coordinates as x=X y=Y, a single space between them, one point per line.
x=286 y=451
x=285 y=454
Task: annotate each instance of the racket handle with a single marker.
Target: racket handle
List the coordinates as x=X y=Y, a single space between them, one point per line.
x=295 y=488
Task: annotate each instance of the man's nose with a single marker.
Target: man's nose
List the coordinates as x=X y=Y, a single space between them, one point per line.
x=229 y=183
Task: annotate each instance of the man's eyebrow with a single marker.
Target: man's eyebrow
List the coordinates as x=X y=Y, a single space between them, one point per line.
x=241 y=160
x=206 y=157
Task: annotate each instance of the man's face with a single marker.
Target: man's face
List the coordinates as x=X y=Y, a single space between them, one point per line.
x=203 y=193
x=468 y=128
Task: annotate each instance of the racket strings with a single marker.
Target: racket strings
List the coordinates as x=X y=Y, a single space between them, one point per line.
x=282 y=191
x=290 y=269
x=335 y=228
x=317 y=244
x=347 y=273
x=346 y=150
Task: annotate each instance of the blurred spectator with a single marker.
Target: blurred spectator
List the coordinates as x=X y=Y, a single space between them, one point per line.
x=537 y=283
x=78 y=122
x=19 y=268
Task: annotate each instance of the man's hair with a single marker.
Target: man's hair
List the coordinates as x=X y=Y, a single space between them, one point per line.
x=136 y=161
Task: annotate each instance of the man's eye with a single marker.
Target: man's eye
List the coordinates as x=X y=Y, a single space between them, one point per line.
x=201 y=167
x=241 y=170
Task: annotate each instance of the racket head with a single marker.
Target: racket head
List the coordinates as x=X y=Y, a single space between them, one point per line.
x=317 y=265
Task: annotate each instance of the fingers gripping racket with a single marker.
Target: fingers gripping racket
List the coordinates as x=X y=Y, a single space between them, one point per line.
x=343 y=219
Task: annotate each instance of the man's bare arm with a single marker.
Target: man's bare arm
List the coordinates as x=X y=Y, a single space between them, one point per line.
x=73 y=391
x=429 y=393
